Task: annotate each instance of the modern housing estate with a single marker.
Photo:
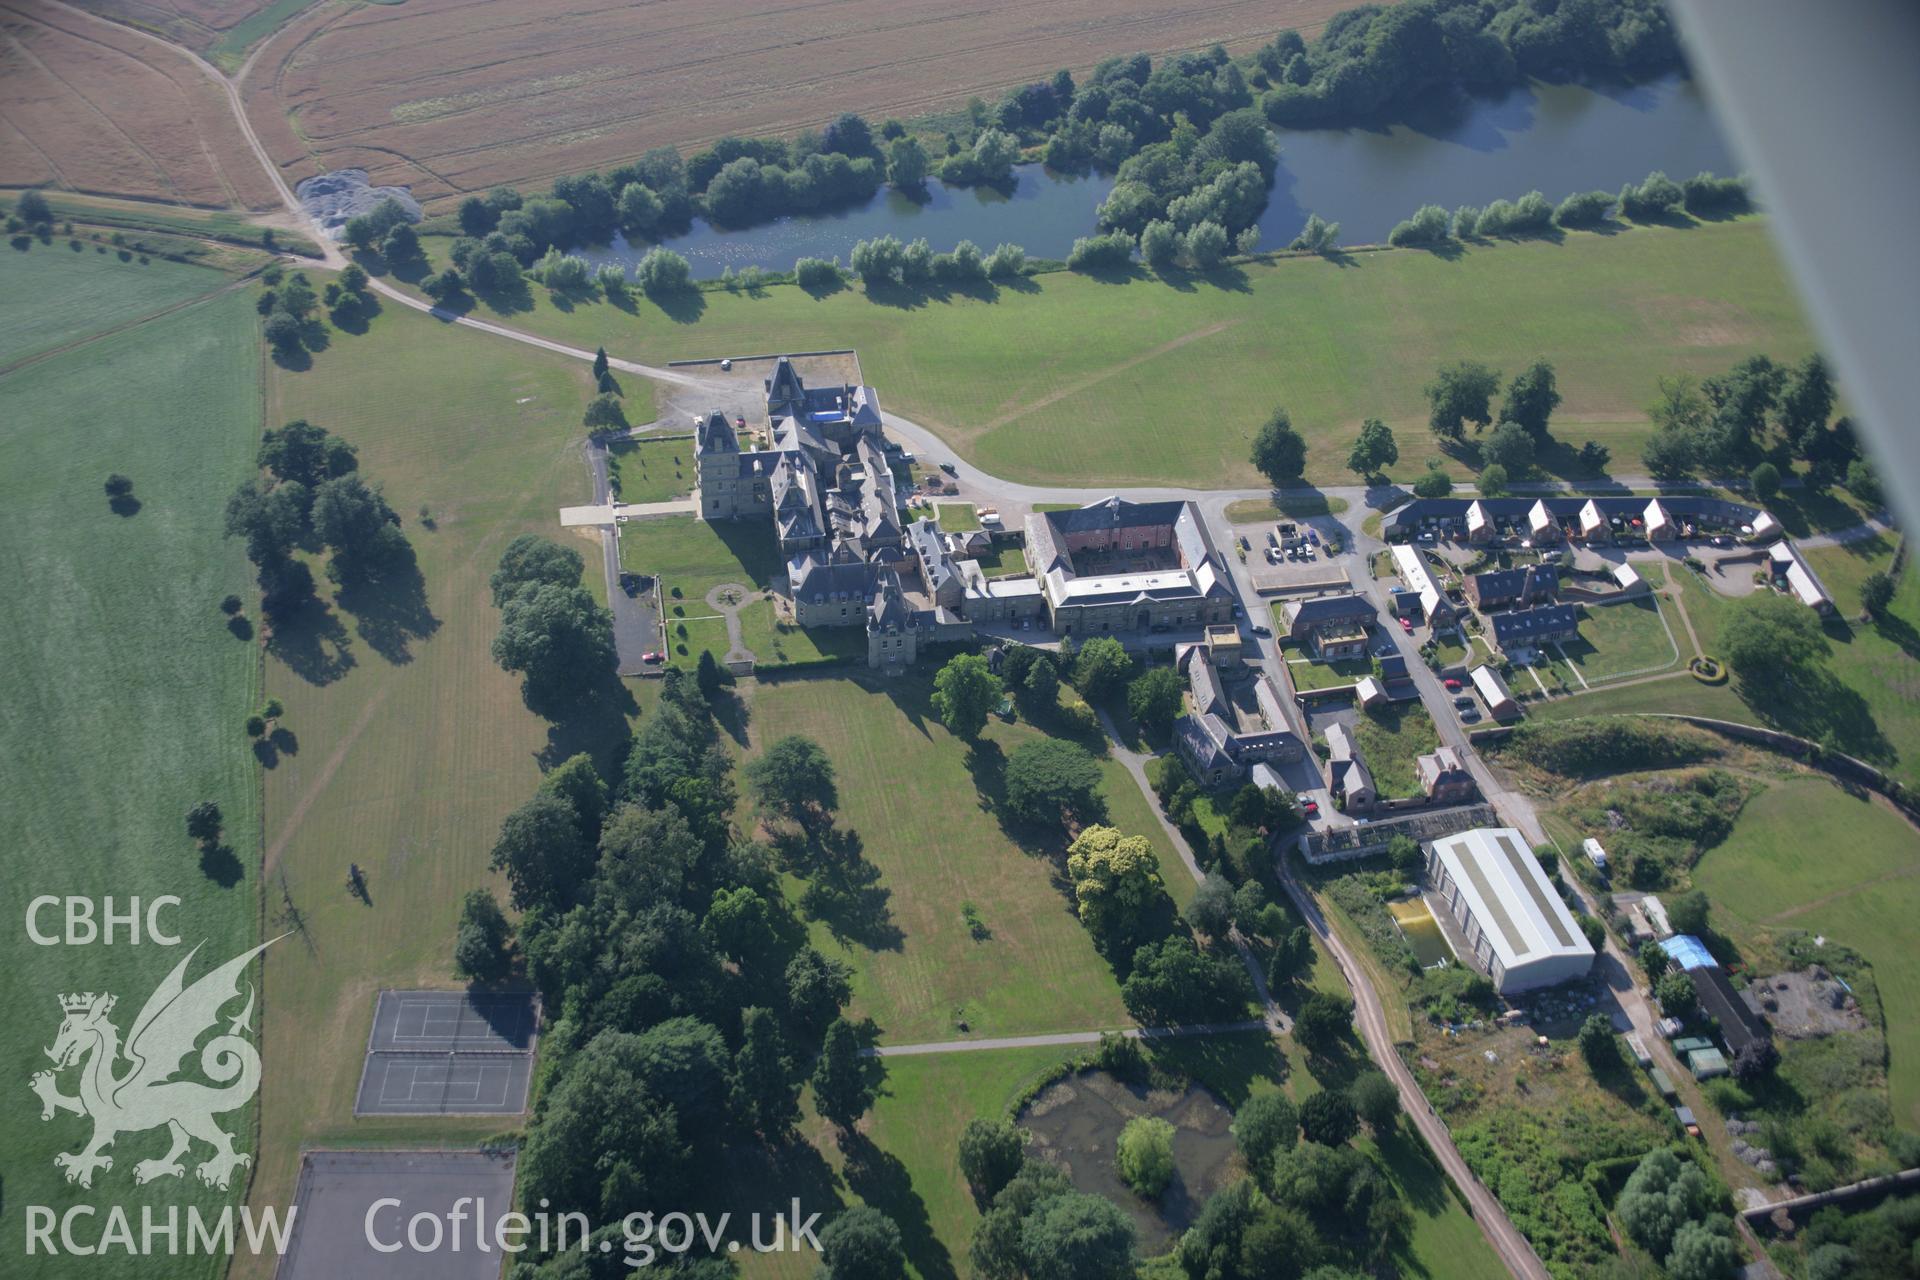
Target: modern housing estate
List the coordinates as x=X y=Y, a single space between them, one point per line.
x=1518 y=931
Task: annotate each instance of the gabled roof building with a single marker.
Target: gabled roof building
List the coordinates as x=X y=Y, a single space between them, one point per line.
x=1518 y=931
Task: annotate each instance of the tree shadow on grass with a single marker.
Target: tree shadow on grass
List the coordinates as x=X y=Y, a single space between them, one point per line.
x=124 y=505
x=219 y=864
x=682 y=306
x=881 y=1179
x=1421 y=1181
x=843 y=888
x=594 y=722
x=241 y=628
x=1897 y=630
x=1817 y=706
x=391 y=611
x=311 y=643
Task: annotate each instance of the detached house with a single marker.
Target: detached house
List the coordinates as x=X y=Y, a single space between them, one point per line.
x=1329 y=627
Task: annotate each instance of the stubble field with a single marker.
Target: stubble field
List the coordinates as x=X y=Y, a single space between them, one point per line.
x=90 y=106
x=521 y=92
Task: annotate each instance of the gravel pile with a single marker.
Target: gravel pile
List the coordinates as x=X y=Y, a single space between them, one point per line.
x=332 y=198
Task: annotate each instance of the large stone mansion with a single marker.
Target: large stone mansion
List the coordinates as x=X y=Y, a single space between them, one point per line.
x=829 y=482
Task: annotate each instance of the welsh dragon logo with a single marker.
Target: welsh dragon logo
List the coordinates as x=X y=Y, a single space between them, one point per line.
x=132 y=1087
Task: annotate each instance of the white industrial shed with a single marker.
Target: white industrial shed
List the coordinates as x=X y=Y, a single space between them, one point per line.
x=1519 y=932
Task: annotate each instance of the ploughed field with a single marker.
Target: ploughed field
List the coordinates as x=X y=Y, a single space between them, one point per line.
x=88 y=105
x=451 y=96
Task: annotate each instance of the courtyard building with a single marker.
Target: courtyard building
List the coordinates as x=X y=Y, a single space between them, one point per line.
x=1116 y=566
x=1518 y=931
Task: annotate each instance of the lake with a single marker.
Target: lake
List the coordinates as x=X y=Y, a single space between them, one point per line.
x=1557 y=138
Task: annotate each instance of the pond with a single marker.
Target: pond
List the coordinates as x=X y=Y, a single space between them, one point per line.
x=1422 y=933
x=1557 y=138
x=1077 y=1122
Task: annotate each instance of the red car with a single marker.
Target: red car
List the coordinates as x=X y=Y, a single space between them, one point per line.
x=1451 y=683
x=655 y=656
x=1311 y=808
x=1406 y=626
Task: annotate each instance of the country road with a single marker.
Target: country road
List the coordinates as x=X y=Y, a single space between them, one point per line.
x=1371 y=1018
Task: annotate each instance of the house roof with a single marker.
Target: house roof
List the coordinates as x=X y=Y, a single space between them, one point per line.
x=1740 y=1026
x=1199 y=576
x=1491 y=687
x=1519 y=911
x=1523 y=625
x=1509 y=584
x=1791 y=565
x=714 y=434
x=1414 y=571
x=1321 y=611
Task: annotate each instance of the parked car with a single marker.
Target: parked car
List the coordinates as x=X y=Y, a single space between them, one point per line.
x=1463 y=701
x=949 y=468
x=1406 y=626
x=1451 y=683
x=653 y=657
x=1262 y=631
x=1469 y=715
x=1313 y=536
x=1311 y=808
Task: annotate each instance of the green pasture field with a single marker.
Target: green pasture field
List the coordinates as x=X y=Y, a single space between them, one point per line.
x=51 y=296
x=646 y=470
x=1618 y=640
x=1806 y=855
x=412 y=743
x=914 y=795
x=124 y=691
x=1080 y=380
x=1389 y=738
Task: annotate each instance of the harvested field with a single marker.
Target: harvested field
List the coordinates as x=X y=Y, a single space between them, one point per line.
x=91 y=106
x=524 y=90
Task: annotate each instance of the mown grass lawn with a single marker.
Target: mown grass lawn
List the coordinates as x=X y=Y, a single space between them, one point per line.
x=1618 y=640
x=1005 y=560
x=413 y=744
x=123 y=690
x=919 y=801
x=1079 y=380
x=958 y=517
x=692 y=556
x=643 y=470
x=1806 y=855
x=51 y=296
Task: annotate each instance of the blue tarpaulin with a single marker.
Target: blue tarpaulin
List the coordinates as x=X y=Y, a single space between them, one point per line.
x=1688 y=952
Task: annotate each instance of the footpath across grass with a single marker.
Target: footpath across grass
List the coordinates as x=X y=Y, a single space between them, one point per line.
x=1080 y=380
x=412 y=743
x=124 y=691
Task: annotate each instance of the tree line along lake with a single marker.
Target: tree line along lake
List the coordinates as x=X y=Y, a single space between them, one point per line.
x=1557 y=138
